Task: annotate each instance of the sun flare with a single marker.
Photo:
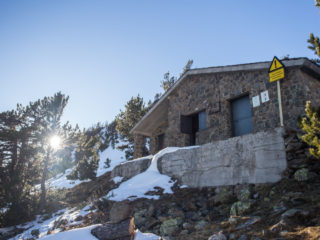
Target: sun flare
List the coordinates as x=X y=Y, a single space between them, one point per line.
x=55 y=142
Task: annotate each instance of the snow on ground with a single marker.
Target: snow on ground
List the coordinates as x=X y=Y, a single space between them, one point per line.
x=60 y=181
x=79 y=233
x=85 y=234
x=145 y=236
x=139 y=185
x=69 y=214
x=115 y=155
x=117 y=179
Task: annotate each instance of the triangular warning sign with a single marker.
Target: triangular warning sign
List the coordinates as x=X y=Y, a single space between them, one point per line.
x=276 y=64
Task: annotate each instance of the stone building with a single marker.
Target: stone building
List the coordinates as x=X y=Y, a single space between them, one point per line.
x=216 y=103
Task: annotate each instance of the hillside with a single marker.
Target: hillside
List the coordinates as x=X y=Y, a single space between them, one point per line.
x=288 y=209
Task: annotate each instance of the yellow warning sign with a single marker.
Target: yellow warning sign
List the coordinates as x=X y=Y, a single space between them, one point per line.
x=276 y=70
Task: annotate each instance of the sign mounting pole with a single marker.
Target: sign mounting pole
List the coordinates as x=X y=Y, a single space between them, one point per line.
x=276 y=73
x=280 y=103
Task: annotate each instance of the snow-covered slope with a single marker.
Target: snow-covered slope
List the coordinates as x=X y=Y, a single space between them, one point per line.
x=68 y=214
x=139 y=185
x=60 y=181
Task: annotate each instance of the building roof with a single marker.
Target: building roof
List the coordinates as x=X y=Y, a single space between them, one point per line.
x=144 y=125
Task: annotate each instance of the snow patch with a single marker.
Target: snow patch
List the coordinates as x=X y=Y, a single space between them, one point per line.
x=139 y=185
x=117 y=179
x=145 y=236
x=44 y=226
x=79 y=233
x=115 y=155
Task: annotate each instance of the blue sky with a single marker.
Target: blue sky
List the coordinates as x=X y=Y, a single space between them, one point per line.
x=101 y=53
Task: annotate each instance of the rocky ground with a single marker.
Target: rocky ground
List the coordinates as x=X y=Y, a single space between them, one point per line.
x=289 y=209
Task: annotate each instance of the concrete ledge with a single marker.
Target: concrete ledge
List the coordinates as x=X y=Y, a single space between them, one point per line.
x=252 y=158
x=131 y=168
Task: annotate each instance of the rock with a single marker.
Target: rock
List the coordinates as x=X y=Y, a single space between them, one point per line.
x=232 y=236
x=243 y=192
x=151 y=210
x=218 y=236
x=186 y=225
x=200 y=225
x=174 y=212
x=279 y=226
x=184 y=232
x=115 y=231
x=140 y=218
x=241 y=207
x=279 y=208
x=120 y=211
x=223 y=195
x=302 y=175
x=35 y=233
x=283 y=233
x=189 y=206
x=78 y=218
x=170 y=226
x=243 y=237
x=233 y=220
x=249 y=222
x=293 y=213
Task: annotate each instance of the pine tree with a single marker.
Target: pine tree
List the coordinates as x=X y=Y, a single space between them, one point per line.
x=311 y=125
x=51 y=109
x=314 y=41
x=168 y=81
x=87 y=153
x=135 y=109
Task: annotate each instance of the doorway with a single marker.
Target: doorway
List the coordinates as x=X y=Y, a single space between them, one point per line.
x=191 y=124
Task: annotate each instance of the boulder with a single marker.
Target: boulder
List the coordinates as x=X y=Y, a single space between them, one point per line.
x=140 y=218
x=249 y=222
x=218 y=236
x=201 y=225
x=302 y=175
x=241 y=207
x=115 y=231
x=223 y=195
x=170 y=226
x=243 y=192
x=120 y=211
x=294 y=212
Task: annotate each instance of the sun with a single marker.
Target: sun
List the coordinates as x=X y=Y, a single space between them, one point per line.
x=55 y=142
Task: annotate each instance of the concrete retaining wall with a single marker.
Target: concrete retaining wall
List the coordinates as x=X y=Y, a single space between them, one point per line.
x=131 y=168
x=253 y=158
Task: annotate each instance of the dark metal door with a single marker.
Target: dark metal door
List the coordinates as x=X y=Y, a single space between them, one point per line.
x=241 y=116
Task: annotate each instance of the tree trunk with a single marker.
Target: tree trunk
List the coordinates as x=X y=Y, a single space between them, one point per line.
x=43 y=180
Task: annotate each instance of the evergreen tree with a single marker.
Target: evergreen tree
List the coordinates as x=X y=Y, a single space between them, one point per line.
x=110 y=136
x=311 y=125
x=20 y=161
x=87 y=153
x=51 y=109
x=314 y=41
x=168 y=81
x=135 y=109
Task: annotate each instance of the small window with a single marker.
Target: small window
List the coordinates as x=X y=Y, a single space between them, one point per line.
x=202 y=120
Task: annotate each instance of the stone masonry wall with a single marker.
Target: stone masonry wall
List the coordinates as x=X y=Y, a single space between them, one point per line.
x=139 y=146
x=252 y=158
x=214 y=93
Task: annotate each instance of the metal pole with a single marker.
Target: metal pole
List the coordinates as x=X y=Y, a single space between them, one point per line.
x=280 y=103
